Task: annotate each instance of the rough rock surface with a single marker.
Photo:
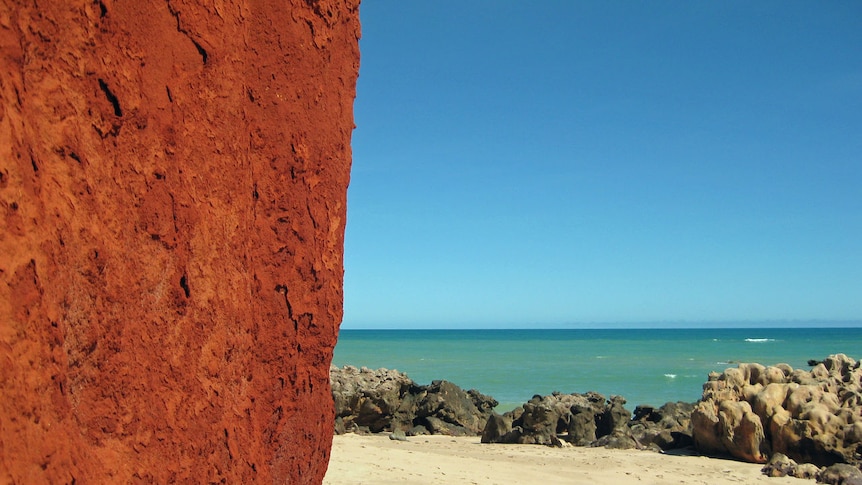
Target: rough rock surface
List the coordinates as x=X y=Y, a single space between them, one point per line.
x=753 y=411
x=665 y=428
x=387 y=400
x=172 y=207
x=840 y=474
x=591 y=420
x=577 y=418
x=779 y=465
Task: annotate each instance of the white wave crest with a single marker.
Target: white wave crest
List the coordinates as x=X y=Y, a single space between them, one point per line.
x=760 y=340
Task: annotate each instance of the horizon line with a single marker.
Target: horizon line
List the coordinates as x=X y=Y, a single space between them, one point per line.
x=662 y=324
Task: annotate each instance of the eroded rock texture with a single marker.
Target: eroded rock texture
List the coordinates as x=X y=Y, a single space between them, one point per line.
x=172 y=207
x=387 y=400
x=546 y=420
x=753 y=411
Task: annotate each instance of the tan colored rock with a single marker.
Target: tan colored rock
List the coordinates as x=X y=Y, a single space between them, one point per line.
x=742 y=432
x=752 y=372
x=853 y=432
x=705 y=428
x=840 y=365
x=811 y=417
x=735 y=378
x=751 y=391
x=801 y=396
x=771 y=399
x=782 y=431
x=773 y=375
x=820 y=372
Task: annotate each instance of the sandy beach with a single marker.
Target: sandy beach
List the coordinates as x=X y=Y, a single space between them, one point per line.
x=375 y=459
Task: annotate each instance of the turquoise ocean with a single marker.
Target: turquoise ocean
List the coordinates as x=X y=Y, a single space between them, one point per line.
x=646 y=366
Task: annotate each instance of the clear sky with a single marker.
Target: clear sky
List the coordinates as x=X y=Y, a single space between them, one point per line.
x=538 y=164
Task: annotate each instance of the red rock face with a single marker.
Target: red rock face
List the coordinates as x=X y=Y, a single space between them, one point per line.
x=173 y=178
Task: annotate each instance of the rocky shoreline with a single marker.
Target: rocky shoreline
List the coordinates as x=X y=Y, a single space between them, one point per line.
x=799 y=423
x=383 y=400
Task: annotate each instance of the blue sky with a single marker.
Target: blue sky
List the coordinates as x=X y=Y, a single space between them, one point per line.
x=541 y=164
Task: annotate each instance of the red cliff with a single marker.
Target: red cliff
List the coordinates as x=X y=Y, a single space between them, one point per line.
x=173 y=179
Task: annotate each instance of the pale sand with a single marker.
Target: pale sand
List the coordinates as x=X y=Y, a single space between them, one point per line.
x=443 y=459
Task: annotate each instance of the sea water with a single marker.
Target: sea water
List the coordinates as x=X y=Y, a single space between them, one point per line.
x=646 y=366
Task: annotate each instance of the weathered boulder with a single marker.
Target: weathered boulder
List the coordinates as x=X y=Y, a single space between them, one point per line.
x=752 y=411
x=372 y=400
x=543 y=418
x=741 y=431
x=779 y=465
x=706 y=433
x=582 y=429
x=580 y=419
x=173 y=180
x=387 y=400
x=616 y=419
x=448 y=409
x=498 y=429
x=665 y=428
x=592 y=420
x=840 y=474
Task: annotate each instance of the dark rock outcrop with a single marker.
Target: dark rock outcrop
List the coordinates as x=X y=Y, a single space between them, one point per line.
x=664 y=428
x=751 y=412
x=173 y=181
x=387 y=400
x=591 y=420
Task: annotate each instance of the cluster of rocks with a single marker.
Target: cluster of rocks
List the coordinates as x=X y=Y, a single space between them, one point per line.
x=753 y=412
x=780 y=465
x=806 y=424
x=383 y=400
x=386 y=400
x=591 y=420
